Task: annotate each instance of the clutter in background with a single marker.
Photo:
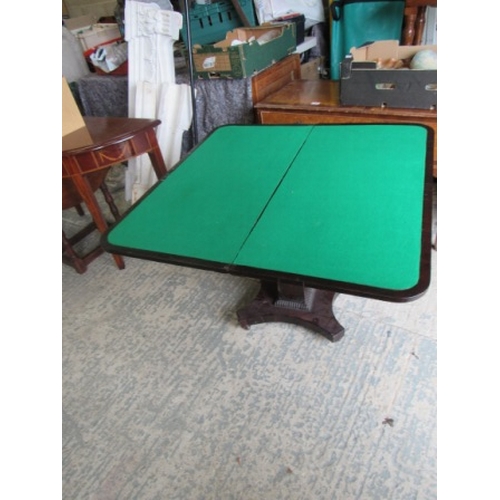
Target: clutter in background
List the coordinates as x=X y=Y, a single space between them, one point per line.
x=358 y=22
x=110 y=57
x=268 y=10
x=235 y=39
x=74 y=65
x=244 y=52
x=387 y=74
x=211 y=22
x=102 y=44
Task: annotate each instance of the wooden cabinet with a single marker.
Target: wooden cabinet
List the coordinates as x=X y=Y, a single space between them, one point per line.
x=317 y=101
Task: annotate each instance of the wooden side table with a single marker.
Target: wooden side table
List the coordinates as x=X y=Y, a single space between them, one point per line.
x=115 y=140
x=317 y=101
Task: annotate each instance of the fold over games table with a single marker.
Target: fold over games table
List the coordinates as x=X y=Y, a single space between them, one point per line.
x=309 y=210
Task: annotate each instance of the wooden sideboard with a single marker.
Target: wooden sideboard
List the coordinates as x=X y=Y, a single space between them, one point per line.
x=317 y=101
x=275 y=77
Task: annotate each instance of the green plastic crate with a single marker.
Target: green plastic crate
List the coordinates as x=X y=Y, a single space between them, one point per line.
x=210 y=23
x=223 y=60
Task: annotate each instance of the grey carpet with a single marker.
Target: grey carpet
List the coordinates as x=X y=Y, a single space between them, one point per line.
x=165 y=396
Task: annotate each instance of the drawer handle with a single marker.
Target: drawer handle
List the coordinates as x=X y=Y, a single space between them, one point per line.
x=385 y=86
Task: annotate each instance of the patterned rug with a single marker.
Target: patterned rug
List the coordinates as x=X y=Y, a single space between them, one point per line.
x=165 y=396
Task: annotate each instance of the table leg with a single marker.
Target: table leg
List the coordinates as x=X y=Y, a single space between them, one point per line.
x=278 y=301
x=156 y=157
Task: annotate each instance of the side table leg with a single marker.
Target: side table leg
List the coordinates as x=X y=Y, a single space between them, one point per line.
x=291 y=303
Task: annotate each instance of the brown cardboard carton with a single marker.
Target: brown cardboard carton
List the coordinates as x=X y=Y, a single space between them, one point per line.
x=74 y=131
x=387 y=49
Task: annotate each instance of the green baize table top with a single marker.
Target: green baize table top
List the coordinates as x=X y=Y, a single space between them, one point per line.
x=342 y=203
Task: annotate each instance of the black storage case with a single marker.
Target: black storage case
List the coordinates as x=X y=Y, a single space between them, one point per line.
x=361 y=84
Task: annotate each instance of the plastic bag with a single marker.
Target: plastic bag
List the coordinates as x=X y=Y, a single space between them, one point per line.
x=109 y=57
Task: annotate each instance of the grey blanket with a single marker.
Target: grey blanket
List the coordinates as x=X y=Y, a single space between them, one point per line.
x=218 y=102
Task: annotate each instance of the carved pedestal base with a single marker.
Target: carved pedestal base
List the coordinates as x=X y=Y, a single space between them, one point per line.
x=291 y=303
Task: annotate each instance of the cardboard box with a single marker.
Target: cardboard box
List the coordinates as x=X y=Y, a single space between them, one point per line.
x=99 y=34
x=362 y=84
x=244 y=52
x=92 y=34
x=76 y=24
x=298 y=19
x=74 y=131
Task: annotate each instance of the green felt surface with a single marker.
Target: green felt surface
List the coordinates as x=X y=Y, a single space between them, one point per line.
x=206 y=207
x=349 y=209
x=342 y=203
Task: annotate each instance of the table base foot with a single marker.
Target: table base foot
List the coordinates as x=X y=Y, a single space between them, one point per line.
x=296 y=304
